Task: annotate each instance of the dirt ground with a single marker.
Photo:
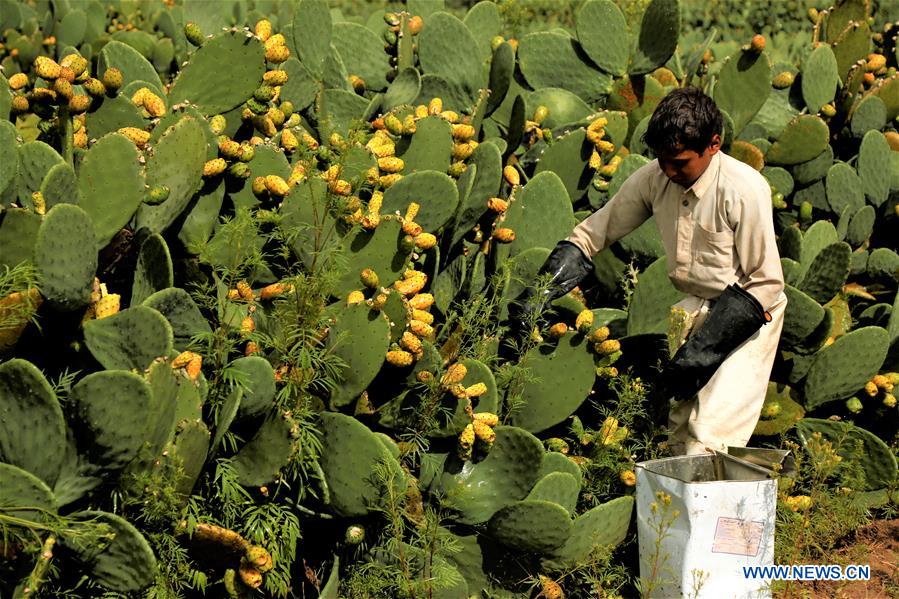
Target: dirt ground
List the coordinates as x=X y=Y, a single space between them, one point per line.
x=876 y=544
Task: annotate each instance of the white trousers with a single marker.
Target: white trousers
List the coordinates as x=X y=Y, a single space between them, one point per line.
x=724 y=412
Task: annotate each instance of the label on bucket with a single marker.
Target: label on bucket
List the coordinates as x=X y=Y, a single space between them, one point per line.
x=738 y=537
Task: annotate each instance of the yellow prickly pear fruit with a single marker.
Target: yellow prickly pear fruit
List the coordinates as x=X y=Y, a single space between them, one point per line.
x=276 y=186
x=369 y=278
x=46 y=67
x=461 y=151
x=558 y=330
x=94 y=87
x=108 y=305
x=391 y=164
x=828 y=111
x=399 y=357
x=435 y=106
x=194 y=367
x=421 y=301
x=477 y=390
x=18 y=81
x=277 y=54
x=214 y=167
x=875 y=62
x=425 y=241
x=355 y=297
x=275 y=78
x=628 y=477
x=277 y=39
x=411 y=228
x=63 y=88
x=297 y=175
x=258 y=186
x=358 y=83
x=456 y=169
x=595 y=161
x=584 y=321
x=393 y=124
x=250 y=575
x=488 y=418
x=244 y=291
x=757 y=43
x=79 y=104
x=421 y=111
x=112 y=79
x=597 y=124
x=80 y=139
x=607 y=347
x=247 y=326
x=540 y=114
x=217 y=124
x=182 y=359
x=510 y=174
x=449 y=115
x=20 y=105
x=422 y=329
x=483 y=432
x=263 y=30
x=259 y=558
x=289 y=140
x=78 y=64
x=387 y=181
x=454 y=374
x=504 y=235
x=410 y=342
x=43 y=95
x=605 y=147
x=153 y=104
x=425 y=317
x=40 y=204
x=498 y=205
x=550 y=589
x=880 y=381
x=783 y=80
x=889 y=400
x=139 y=137
x=379 y=301
x=409 y=126
x=230 y=149
x=340 y=187
x=466 y=438
x=463 y=132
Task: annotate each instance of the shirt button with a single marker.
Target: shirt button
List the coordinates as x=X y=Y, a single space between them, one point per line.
x=686 y=203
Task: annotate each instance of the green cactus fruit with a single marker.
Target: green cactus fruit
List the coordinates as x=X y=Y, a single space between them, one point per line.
x=112 y=79
x=194 y=34
x=854 y=405
x=157 y=195
x=354 y=535
x=783 y=80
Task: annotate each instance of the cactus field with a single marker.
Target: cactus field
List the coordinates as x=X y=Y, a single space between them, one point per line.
x=257 y=259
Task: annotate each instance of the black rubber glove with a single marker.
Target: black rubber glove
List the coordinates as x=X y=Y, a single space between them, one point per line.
x=734 y=318
x=568 y=266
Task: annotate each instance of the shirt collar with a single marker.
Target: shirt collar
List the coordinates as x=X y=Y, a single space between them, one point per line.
x=701 y=185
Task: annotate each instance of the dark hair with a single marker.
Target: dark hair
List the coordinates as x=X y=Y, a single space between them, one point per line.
x=685 y=119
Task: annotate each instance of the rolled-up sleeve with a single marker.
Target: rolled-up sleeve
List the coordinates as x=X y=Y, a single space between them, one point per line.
x=626 y=211
x=755 y=244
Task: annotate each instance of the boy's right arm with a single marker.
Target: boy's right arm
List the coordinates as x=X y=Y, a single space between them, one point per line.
x=570 y=262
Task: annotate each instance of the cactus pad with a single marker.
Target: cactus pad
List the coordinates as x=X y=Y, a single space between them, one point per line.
x=841 y=369
x=132 y=338
x=606 y=524
x=32 y=428
x=532 y=526
x=182 y=313
x=360 y=337
x=876 y=460
x=66 y=255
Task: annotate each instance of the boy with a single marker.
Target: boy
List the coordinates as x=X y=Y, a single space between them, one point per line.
x=714 y=217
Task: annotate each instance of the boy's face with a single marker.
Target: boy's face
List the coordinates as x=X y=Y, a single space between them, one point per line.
x=684 y=166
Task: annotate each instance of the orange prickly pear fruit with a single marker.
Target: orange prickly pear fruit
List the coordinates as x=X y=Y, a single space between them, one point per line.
x=355 y=297
x=504 y=235
x=510 y=174
x=277 y=54
x=259 y=558
x=276 y=186
x=483 y=432
x=497 y=205
x=487 y=418
x=275 y=78
x=476 y=390
x=757 y=43
x=425 y=317
x=247 y=326
x=608 y=347
x=558 y=330
x=18 y=81
x=250 y=575
x=783 y=80
x=425 y=241
x=422 y=301
x=140 y=138
x=462 y=132
x=599 y=335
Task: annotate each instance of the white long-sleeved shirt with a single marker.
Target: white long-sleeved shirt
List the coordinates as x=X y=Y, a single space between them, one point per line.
x=718 y=231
